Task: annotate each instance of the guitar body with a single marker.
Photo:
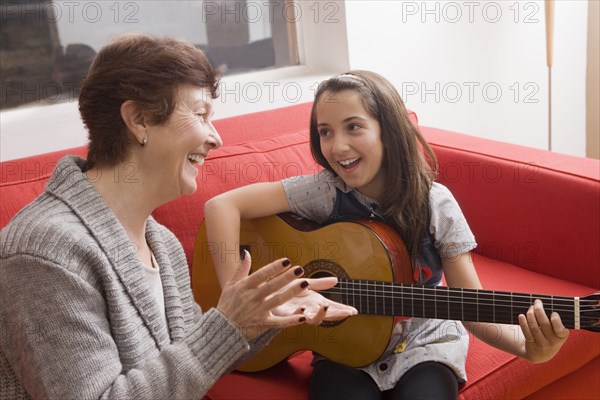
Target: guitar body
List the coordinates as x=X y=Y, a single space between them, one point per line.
x=362 y=249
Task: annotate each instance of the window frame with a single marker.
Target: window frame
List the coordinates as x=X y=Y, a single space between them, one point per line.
x=40 y=129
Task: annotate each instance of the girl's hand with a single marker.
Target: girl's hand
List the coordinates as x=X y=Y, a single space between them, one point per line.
x=543 y=337
x=314 y=306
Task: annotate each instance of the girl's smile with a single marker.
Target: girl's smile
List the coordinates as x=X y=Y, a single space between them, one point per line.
x=350 y=140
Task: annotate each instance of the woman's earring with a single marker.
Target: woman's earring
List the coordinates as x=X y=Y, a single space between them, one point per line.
x=144 y=142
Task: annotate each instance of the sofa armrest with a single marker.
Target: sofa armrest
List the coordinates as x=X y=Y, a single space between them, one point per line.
x=532 y=208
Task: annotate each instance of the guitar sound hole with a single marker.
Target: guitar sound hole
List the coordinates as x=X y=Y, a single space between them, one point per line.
x=321 y=274
x=322 y=268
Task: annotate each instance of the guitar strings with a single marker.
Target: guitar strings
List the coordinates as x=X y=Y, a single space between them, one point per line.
x=441 y=290
x=438 y=294
x=367 y=286
x=500 y=312
x=500 y=303
x=496 y=308
x=484 y=303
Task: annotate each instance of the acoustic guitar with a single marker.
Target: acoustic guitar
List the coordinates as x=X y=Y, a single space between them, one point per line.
x=375 y=276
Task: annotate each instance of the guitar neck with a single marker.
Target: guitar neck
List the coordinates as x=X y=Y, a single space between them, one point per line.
x=397 y=299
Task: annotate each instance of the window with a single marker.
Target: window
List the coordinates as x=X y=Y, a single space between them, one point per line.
x=48 y=45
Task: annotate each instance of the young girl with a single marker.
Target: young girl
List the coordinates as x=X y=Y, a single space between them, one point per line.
x=375 y=167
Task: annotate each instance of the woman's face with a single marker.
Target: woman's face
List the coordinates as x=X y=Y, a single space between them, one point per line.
x=183 y=142
x=350 y=140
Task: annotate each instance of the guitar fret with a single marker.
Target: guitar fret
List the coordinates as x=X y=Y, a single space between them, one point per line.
x=345 y=286
x=378 y=297
x=365 y=299
x=462 y=305
x=403 y=304
x=442 y=302
x=470 y=308
x=354 y=299
x=423 y=304
x=372 y=284
x=412 y=302
x=448 y=300
x=477 y=305
x=393 y=302
x=512 y=311
x=485 y=309
x=494 y=304
x=576 y=318
x=434 y=303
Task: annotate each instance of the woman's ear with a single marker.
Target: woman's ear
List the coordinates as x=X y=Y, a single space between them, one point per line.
x=134 y=120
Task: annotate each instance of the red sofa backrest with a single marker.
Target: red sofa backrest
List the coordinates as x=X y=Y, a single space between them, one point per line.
x=529 y=207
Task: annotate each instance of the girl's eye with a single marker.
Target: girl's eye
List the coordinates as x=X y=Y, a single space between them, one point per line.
x=353 y=127
x=200 y=115
x=323 y=132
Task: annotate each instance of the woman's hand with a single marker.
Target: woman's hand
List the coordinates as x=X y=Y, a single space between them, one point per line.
x=543 y=337
x=314 y=306
x=248 y=300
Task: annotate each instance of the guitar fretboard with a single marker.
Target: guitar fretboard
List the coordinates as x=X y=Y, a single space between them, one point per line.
x=396 y=299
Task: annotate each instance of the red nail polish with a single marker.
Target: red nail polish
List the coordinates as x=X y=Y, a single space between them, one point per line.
x=304 y=284
x=298 y=271
x=286 y=262
x=302 y=319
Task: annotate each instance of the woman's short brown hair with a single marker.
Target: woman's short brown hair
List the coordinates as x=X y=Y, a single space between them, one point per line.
x=145 y=69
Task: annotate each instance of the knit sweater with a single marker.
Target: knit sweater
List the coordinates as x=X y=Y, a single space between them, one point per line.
x=77 y=318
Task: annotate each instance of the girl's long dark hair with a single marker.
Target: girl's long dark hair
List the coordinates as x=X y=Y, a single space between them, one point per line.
x=409 y=164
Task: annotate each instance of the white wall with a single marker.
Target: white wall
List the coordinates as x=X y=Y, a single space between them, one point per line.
x=479 y=67
x=423 y=57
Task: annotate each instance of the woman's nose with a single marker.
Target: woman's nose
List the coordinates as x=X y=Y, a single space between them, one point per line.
x=214 y=139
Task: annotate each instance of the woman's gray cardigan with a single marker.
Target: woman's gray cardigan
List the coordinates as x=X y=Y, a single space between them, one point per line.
x=77 y=318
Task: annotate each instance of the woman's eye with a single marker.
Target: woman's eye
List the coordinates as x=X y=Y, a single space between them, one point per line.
x=323 y=132
x=200 y=115
x=353 y=127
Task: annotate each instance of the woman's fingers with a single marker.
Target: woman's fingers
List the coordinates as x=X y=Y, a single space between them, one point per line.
x=267 y=273
x=289 y=292
x=323 y=283
x=273 y=296
x=243 y=269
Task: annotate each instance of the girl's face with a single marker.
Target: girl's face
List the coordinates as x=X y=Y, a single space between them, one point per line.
x=351 y=141
x=183 y=142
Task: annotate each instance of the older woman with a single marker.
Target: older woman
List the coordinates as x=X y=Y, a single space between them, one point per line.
x=95 y=298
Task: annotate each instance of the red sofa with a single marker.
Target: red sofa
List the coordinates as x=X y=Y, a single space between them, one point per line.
x=535 y=215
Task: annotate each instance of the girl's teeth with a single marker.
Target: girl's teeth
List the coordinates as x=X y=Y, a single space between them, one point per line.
x=346 y=163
